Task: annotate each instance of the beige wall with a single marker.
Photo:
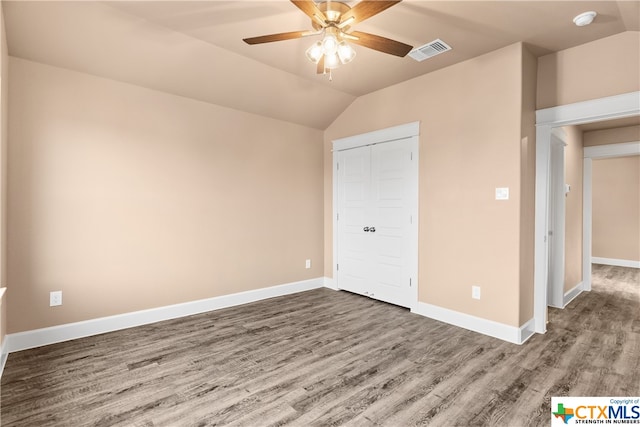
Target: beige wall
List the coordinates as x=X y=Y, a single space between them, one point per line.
x=589 y=71
x=470 y=143
x=573 y=175
x=4 y=97
x=611 y=136
x=127 y=198
x=616 y=208
x=616 y=197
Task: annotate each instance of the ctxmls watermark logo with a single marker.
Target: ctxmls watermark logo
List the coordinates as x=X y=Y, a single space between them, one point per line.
x=595 y=410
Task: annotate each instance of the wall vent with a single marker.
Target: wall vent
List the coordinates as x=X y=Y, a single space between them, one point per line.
x=433 y=48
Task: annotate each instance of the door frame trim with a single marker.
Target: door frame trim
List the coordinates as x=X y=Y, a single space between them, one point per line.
x=612 y=107
x=377 y=136
x=394 y=133
x=558 y=218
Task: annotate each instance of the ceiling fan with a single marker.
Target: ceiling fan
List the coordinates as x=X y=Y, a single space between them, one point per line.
x=334 y=19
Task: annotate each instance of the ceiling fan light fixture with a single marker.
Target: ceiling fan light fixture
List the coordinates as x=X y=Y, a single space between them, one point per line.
x=315 y=52
x=346 y=22
x=329 y=44
x=332 y=15
x=318 y=19
x=333 y=19
x=331 y=61
x=345 y=52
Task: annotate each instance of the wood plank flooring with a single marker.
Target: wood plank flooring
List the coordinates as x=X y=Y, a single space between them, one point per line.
x=326 y=358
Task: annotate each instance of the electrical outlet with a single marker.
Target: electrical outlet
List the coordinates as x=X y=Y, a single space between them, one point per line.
x=55 y=298
x=502 y=193
x=475 y=292
x=307 y=264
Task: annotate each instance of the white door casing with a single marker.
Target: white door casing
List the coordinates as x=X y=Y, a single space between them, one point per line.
x=557 y=209
x=375 y=188
x=613 y=107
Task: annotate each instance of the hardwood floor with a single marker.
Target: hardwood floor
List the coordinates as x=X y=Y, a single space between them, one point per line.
x=330 y=358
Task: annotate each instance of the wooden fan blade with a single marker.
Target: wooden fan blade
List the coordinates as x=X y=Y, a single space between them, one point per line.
x=310 y=8
x=381 y=44
x=366 y=9
x=320 y=69
x=276 y=37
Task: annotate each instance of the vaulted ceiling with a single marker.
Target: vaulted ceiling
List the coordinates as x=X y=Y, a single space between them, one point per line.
x=195 y=48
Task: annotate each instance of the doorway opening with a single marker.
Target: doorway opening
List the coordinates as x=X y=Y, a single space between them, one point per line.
x=620 y=106
x=601 y=152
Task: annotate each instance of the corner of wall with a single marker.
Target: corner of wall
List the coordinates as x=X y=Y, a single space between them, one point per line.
x=328 y=207
x=527 y=183
x=4 y=86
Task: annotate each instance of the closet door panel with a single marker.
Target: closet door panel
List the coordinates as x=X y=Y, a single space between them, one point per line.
x=376 y=199
x=354 y=194
x=391 y=215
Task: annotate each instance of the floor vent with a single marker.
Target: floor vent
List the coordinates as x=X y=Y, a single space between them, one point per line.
x=433 y=48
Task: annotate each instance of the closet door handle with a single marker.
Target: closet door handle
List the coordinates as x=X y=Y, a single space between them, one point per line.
x=365 y=229
x=372 y=229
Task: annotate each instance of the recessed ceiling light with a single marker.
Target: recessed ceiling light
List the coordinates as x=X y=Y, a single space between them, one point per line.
x=585 y=18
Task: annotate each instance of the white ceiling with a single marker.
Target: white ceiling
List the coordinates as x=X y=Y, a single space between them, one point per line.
x=195 y=48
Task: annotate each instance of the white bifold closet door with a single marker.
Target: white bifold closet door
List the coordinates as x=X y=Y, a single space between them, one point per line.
x=377 y=200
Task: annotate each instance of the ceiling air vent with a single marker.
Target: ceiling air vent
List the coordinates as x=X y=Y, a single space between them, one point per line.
x=433 y=48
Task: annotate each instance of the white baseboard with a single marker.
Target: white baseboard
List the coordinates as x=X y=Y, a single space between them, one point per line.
x=45 y=336
x=3 y=345
x=615 y=262
x=526 y=331
x=570 y=295
x=330 y=283
x=3 y=356
x=498 y=330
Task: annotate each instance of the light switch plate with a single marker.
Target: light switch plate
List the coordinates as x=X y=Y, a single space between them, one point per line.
x=502 y=193
x=475 y=292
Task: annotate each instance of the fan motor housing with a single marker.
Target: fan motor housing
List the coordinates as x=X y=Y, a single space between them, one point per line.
x=333 y=10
